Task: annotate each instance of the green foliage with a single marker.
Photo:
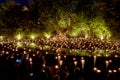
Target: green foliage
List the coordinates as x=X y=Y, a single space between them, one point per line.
x=45 y=18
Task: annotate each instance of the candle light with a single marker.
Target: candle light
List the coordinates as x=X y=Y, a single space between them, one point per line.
x=59 y=57
x=64 y=56
x=33 y=54
x=7 y=52
x=56 y=67
x=74 y=59
x=56 y=57
x=75 y=63
x=98 y=71
x=119 y=69
x=95 y=57
x=61 y=62
x=44 y=65
x=114 y=71
x=109 y=71
x=110 y=61
x=116 y=56
x=46 y=52
x=30 y=59
x=107 y=64
x=95 y=69
x=83 y=63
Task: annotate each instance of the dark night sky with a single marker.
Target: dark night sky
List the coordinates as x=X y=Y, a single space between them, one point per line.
x=22 y=2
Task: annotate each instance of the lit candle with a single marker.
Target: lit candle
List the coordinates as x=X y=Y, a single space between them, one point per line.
x=109 y=71
x=95 y=57
x=116 y=56
x=30 y=59
x=56 y=57
x=46 y=52
x=107 y=63
x=56 y=67
x=33 y=54
x=83 y=63
x=59 y=57
x=74 y=59
x=61 y=62
x=7 y=52
x=95 y=69
x=119 y=69
x=114 y=71
x=64 y=56
x=98 y=71
x=44 y=65
x=110 y=61
x=75 y=63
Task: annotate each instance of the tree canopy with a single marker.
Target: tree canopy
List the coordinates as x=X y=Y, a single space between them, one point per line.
x=71 y=17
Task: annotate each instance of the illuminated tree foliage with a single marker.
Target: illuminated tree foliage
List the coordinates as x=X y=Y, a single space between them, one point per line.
x=73 y=18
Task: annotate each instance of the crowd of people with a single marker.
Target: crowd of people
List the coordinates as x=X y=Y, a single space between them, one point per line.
x=27 y=63
x=94 y=44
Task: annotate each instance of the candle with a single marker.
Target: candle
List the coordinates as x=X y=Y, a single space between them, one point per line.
x=75 y=63
x=98 y=71
x=83 y=63
x=95 y=69
x=109 y=71
x=61 y=62
x=95 y=57
x=114 y=71
x=56 y=67
x=107 y=63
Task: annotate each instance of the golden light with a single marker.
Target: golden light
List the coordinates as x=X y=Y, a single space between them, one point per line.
x=65 y=56
x=74 y=59
x=47 y=34
x=106 y=55
x=24 y=52
x=75 y=63
x=119 y=69
x=101 y=37
x=33 y=54
x=3 y=52
x=46 y=52
x=31 y=62
x=107 y=63
x=1 y=37
x=98 y=71
x=59 y=57
x=94 y=68
x=116 y=56
x=56 y=67
x=19 y=36
x=56 y=57
x=86 y=36
x=114 y=71
x=19 y=44
x=44 y=65
x=61 y=62
x=7 y=52
x=33 y=45
x=29 y=50
x=30 y=59
x=110 y=61
x=83 y=62
x=94 y=57
x=110 y=71
x=33 y=36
